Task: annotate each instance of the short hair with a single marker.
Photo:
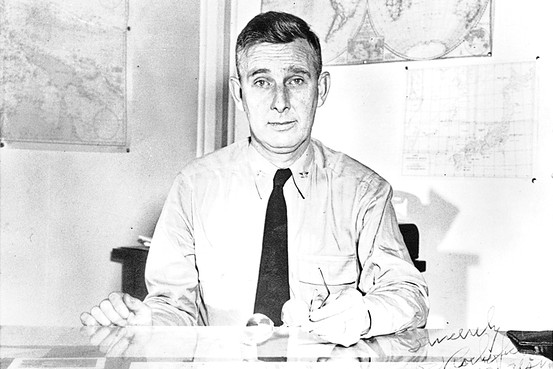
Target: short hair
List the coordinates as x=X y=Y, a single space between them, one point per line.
x=277 y=28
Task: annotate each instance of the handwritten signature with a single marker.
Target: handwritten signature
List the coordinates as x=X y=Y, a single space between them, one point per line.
x=493 y=352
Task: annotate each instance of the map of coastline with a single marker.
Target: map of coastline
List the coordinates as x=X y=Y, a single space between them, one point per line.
x=63 y=72
x=470 y=121
x=376 y=31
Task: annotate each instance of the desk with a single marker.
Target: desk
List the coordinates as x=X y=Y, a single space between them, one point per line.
x=228 y=347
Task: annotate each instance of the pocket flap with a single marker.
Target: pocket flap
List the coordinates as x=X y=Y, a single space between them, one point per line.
x=336 y=269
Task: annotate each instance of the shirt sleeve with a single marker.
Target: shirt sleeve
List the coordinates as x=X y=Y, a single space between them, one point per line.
x=395 y=292
x=171 y=275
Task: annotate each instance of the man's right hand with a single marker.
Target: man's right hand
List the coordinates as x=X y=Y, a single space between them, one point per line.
x=120 y=309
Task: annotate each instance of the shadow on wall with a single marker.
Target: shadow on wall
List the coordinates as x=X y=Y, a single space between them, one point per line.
x=446 y=272
x=149 y=213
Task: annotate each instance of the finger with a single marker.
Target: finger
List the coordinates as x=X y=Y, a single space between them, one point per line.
x=326 y=326
x=119 y=348
x=141 y=314
x=332 y=308
x=317 y=299
x=316 y=302
x=99 y=336
x=100 y=317
x=114 y=336
x=106 y=343
x=120 y=307
x=88 y=320
x=110 y=313
x=133 y=304
x=89 y=330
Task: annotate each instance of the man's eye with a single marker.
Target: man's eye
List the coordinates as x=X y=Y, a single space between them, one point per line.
x=261 y=83
x=296 y=81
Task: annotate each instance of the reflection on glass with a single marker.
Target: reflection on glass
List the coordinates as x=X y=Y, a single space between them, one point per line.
x=259 y=329
x=401 y=347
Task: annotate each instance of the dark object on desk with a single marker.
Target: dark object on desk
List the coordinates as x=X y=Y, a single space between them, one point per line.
x=533 y=342
x=133 y=260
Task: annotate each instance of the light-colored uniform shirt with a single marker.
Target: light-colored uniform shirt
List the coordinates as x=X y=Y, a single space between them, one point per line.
x=204 y=259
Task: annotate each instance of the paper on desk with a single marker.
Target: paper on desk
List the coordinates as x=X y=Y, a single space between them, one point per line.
x=53 y=363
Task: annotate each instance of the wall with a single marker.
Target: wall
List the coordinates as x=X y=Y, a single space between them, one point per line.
x=487 y=242
x=61 y=213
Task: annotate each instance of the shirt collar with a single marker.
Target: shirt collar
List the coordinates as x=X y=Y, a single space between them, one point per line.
x=264 y=171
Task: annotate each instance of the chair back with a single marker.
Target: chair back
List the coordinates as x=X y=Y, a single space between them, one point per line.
x=410 y=233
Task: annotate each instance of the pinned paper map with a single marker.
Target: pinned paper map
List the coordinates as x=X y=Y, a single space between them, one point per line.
x=374 y=31
x=470 y=121
x=63 y=71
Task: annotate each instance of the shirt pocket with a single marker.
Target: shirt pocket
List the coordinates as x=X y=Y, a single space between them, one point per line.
x=339 y=271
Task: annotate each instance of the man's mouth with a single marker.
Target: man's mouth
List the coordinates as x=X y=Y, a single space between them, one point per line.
x=282 y=123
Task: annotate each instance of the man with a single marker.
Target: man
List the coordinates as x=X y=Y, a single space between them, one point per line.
x=337 y=227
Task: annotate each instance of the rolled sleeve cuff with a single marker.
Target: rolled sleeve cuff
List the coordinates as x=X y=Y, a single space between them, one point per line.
x=164 y=314
x=386 y=318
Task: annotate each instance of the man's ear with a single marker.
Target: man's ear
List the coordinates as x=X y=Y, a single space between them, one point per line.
x=324 y=87
x=236 y=92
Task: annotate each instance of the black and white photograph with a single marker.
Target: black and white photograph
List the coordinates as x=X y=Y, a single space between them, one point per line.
x=276 y=184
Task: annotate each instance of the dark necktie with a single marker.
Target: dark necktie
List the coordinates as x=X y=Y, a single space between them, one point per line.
x=272 y=285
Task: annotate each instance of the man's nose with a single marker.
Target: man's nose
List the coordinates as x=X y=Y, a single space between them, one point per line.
x=281 y=100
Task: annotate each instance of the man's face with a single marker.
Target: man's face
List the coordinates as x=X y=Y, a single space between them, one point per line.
x=279 y=91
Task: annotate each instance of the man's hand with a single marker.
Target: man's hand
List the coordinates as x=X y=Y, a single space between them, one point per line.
x=120 y=341
x=118 y=309
x=342 y=319
x=295 y=313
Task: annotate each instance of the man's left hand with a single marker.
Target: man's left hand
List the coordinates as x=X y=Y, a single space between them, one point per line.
x=342 y=320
